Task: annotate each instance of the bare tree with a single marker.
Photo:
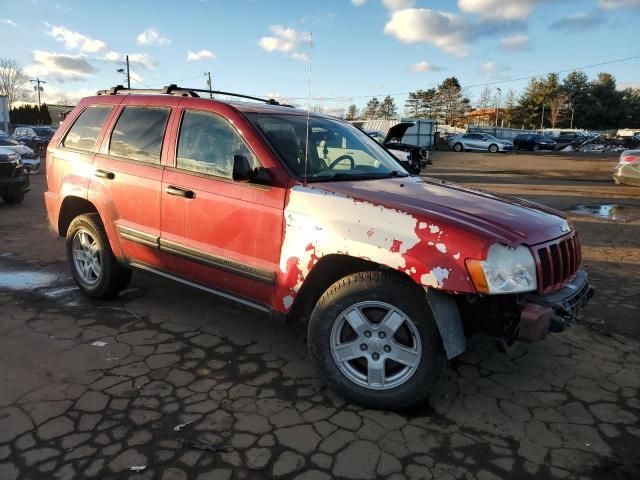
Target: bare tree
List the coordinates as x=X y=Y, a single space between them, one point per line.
x=556 y=106
x=12 y=78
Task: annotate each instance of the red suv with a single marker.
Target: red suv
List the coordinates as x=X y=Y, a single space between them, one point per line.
x=303 y=216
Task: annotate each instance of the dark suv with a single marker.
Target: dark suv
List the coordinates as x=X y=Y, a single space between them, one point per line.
x=305 y=217
x=14 y=179
x=533 y=141
x=35 y=138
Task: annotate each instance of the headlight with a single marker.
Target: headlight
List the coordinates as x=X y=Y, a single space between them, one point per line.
x=14 y=157
x=506 y=270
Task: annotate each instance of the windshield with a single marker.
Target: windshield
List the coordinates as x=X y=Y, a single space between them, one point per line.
x=337 y=150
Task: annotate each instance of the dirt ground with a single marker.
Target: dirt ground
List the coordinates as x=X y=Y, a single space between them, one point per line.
x=169 y=383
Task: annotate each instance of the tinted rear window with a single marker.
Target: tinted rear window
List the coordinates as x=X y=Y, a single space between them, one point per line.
x=138 y=133
x=84 y=132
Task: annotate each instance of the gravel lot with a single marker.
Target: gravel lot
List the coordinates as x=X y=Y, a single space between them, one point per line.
x=169 y=383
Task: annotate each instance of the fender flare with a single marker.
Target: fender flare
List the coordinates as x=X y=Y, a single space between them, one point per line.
x=447 y=317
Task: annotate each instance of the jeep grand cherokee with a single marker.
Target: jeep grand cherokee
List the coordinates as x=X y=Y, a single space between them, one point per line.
x=303 y=216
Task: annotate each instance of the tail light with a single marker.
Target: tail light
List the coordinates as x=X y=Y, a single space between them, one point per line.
x=628 y=159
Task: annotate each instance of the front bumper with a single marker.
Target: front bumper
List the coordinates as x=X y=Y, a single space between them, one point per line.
x=554 y=312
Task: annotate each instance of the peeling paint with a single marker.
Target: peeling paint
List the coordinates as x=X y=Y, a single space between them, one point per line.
x=435 y=278
x=434 y=228
x=441 y=247
x=456 y=256
x=422 y=225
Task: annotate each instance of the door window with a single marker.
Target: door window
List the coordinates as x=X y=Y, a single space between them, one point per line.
x=207 y=144
x=84 y=132
x=138 y=133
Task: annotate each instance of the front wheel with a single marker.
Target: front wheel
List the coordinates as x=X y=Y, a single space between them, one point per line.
x=93 y=265
x=375 y=341
x=493 y=148
x=458 y=147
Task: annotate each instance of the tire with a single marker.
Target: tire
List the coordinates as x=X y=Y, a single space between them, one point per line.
x=88 y=247
x=367 y=297
x=536 y=147
x=458 y=147
x=515 y=147
x=14 y=198
x=493 y=148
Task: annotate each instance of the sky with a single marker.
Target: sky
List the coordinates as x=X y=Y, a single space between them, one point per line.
x=341 y=51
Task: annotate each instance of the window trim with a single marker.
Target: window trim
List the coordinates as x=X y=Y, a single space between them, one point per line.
x=174 y=165
x=64 y=136
x=164 y=135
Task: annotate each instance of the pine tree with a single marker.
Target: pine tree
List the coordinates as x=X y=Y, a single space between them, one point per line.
x=372 y=109
x=352 y=113
x=388 y=109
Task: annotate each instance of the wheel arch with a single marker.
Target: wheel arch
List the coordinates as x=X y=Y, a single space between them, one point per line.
x=71 y=207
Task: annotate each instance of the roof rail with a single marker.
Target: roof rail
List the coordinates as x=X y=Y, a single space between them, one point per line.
x=166 y=90
x=173 y=89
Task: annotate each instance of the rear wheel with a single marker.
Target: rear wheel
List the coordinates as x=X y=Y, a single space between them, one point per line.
x=458 y=147
x=93 y=265
x=374 y=339
x=493 y=148
x=14 y=198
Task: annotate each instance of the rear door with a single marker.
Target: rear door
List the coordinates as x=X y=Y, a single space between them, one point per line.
x=218 y=232
x=128 y=175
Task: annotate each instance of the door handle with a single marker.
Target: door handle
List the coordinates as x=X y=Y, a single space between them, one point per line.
x=105 y=174
x=180 y=192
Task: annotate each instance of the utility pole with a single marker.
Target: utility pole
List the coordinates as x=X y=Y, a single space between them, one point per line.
x=497 y=108
x=122 y=70
x=209 y=84
x=38 y=88
x=128 y=74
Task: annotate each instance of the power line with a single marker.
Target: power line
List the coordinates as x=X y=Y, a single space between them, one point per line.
x=495 y=82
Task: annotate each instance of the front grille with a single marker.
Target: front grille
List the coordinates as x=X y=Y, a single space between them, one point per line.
x=557 y=262
x=6 y=169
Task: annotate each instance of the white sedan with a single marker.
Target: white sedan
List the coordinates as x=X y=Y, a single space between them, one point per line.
x=479 y=141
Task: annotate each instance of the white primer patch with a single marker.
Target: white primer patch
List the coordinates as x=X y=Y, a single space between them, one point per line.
x=337 y=224
x=441 y=247
x=456 y=256
x=435 y=278
x=434 y=228
x=422 y=225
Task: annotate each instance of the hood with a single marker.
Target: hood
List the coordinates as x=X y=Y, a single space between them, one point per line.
x=396 y=132
x=497 y=218
x=19 y=149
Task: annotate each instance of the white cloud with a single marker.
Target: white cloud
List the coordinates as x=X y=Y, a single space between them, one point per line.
x=151 y=36
x=447 y=31
x=60 y=66
x=424 y=67
x=397 y=4
x=73 y=40
x=494 y=71
x=358 y=3
x=499 y=9
x=515 y=42
x=112 y=56
x=8 y=21
x=286 y=40
x=201 y=55
x=144 y=60
x=613 y=4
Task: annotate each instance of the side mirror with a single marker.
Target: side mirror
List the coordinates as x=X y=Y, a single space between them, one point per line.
x=242 y=171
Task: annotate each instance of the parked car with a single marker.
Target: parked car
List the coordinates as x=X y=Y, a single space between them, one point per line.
x=389 y=270
x=35 y=138
x=14 y=179
x=479 y=142
x=627 y=171
x=27 y=156
x=533 y=141
x=413 y=157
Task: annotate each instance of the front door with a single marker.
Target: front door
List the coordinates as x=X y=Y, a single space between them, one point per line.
x=221 y=233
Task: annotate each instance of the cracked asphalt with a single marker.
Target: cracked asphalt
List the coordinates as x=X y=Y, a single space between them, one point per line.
x=167 y=382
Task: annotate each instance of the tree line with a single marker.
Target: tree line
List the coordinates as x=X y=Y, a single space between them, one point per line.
x=30 y=115
x=573 y=102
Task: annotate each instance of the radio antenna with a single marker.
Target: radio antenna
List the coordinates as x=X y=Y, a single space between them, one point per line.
x=306 y=147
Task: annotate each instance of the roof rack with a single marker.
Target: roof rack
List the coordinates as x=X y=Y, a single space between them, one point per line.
x=173 y=89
